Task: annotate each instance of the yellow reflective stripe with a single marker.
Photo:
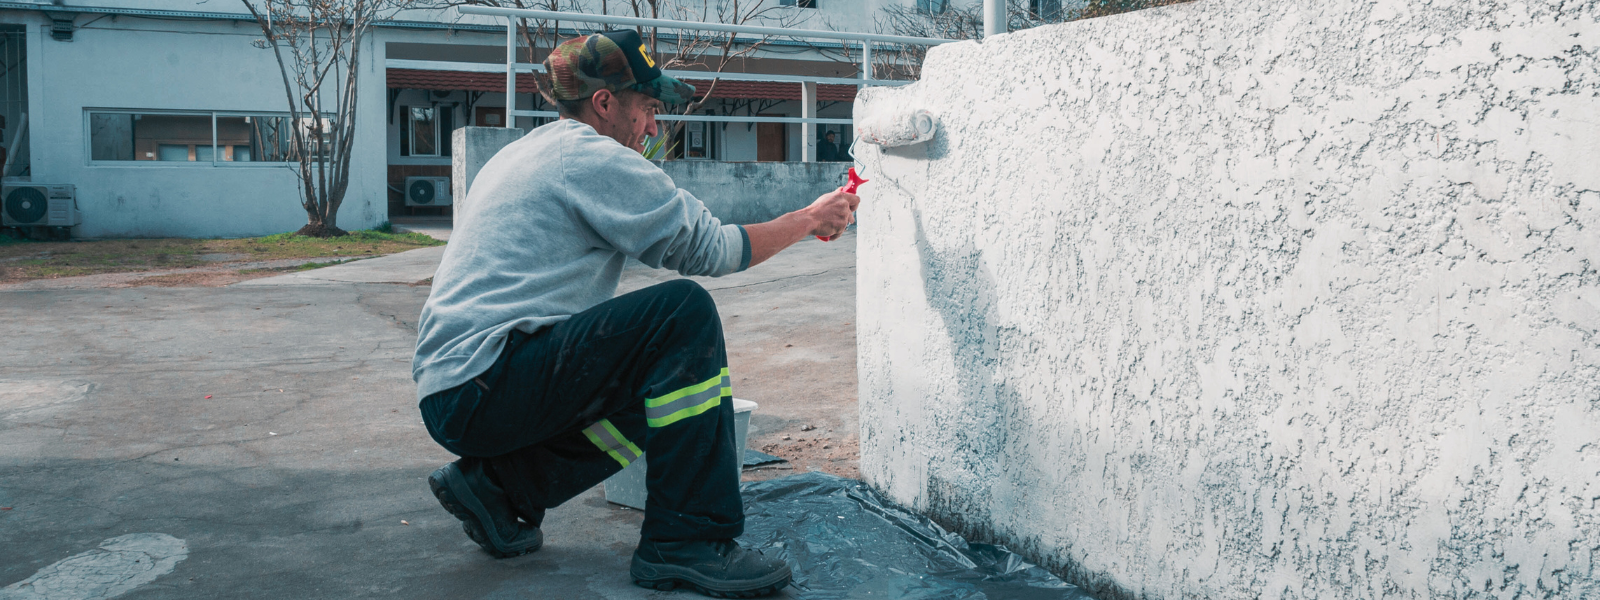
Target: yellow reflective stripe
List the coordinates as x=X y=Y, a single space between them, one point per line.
x=593 y=432
x=595 y=439
x=693 y=389
x=656 y=412
x=625 y=441
x=688 y=412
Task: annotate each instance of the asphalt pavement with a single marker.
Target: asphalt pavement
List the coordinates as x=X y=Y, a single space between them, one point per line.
x=262 y=440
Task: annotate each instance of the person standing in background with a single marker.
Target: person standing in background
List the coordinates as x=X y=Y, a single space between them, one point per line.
x=827 y=149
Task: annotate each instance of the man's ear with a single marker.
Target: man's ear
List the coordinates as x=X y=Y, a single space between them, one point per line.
x=604 y=104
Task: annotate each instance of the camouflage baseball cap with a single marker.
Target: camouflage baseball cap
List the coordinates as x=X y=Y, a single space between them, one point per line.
x=614 y=60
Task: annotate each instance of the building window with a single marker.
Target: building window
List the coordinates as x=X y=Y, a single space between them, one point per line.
x=170 y=137
x=933 y=7
x=1048 y=10
x=173 y=152
x=254 y=138
x=212 y=137
x=110 y=137
x=798 y=3
x=425 y=130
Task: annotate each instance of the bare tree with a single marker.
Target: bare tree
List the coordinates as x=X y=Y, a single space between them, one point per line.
x=966 y=23
x=317 y=44
x=533 y=34
x=712 y=51
x=650 y=9
x=1103 y=8
x=687 y=49
x=905 y=61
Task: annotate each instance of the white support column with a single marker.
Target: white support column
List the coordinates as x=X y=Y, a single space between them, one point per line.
x=808 y=131
x=866 y=62
x=994 y=17
x=511 y=70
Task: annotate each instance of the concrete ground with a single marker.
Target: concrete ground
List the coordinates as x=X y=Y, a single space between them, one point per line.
x=271 y=431
x=437 y=227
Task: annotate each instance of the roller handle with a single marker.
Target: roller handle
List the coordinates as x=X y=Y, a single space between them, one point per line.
x=855 y=182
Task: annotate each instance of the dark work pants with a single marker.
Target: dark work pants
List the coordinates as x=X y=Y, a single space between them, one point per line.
x=571 y=404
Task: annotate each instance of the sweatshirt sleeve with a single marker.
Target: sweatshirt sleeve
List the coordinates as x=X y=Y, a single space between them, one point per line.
x=637 y=210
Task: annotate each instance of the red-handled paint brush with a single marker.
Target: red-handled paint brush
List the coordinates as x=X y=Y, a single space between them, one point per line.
x=855 y=182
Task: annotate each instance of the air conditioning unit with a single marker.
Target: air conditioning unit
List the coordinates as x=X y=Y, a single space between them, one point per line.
x=427 y=191
x=39 y=205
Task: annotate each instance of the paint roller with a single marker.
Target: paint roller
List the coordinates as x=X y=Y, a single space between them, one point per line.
x=890 y=129
x=894 y=128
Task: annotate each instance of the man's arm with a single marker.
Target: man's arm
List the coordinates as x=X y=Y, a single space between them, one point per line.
x=827 y=217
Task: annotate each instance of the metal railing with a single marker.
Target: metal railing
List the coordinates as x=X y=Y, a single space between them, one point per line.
x=513 y=67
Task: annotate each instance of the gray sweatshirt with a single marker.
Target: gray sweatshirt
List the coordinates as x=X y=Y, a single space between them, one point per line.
x=544 y=233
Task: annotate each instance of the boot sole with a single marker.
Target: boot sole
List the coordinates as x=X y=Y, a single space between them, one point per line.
x=464 y=506
x=669 y=577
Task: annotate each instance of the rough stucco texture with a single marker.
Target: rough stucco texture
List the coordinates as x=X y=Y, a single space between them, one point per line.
x=1251 y=299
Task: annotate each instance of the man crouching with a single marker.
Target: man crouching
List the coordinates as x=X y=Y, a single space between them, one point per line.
x=545 y=384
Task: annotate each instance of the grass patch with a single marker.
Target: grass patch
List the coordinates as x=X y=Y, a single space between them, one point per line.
x=22 y=260
x=6 y=239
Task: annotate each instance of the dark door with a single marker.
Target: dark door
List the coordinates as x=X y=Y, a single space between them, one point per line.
x=772 y=141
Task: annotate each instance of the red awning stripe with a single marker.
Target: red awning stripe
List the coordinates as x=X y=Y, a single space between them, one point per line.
x=417 y=79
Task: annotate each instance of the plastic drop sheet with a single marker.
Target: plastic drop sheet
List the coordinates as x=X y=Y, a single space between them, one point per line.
x=844 y=540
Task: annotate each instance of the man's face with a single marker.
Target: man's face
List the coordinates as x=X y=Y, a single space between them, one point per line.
x=627 y=117
x=830 y=138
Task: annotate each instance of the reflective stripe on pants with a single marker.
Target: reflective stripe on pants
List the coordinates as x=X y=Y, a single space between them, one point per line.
x=608 y=439
x=689 y=401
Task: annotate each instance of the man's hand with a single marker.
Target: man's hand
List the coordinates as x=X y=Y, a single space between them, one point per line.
x=833 y=213
x=827 y=217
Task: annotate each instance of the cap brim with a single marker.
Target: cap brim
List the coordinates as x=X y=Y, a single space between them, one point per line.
x=666 y=89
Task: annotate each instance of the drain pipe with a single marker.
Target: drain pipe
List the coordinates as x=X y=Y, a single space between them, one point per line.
x=994 y=17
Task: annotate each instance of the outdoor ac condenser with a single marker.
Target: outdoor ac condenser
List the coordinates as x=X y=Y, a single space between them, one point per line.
x=427 y=191
x=39 y=205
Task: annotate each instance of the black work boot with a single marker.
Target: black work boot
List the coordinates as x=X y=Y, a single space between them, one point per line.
x=720 y=569
x=486 y=514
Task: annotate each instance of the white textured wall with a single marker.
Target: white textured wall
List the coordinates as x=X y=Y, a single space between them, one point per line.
x=1251 y=298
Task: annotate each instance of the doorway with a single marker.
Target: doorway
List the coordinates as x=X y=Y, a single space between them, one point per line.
x=772 y=141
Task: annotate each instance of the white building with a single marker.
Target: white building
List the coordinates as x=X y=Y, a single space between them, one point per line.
x=160 y=112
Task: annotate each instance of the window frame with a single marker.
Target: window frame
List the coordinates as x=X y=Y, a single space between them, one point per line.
x=444 y=126
x=251 y=163
x=1052 y=14
x=88 y=141
x=411 y=129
